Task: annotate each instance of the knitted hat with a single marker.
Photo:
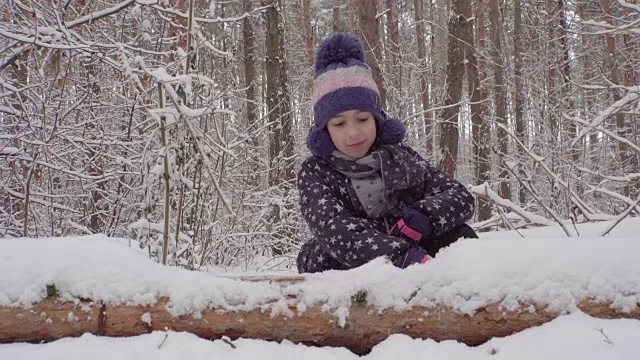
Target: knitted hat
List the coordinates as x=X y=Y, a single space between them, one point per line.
x=343 y=82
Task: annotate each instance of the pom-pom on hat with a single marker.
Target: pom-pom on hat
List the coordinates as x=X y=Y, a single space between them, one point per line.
x=342 y=82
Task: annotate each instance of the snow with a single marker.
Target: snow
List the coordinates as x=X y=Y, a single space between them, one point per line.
x=467 y=276
x=545 y=267
x=146 y=318
x=8 y=151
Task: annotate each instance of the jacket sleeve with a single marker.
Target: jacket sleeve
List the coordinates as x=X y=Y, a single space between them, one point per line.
x=351 y=240
x=446 y=202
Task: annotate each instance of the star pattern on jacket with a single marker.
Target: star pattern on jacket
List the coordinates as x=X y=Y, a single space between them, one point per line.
x=344 y=237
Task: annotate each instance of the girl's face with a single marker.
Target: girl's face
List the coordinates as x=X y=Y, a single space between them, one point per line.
x=353 y=132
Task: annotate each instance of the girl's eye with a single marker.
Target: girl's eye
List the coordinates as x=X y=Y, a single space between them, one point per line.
x=338 y=124
x=364 y=119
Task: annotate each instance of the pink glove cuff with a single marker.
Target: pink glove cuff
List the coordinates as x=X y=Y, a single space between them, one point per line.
x=425 y=259
x=406 y=230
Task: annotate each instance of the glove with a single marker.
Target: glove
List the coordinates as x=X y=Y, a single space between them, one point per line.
x=414 y=255
x=413 y=226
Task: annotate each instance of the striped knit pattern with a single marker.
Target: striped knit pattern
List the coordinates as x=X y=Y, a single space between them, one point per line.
x=344 y=77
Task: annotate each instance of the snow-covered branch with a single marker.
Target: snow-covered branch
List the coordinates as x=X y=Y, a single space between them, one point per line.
x=632 y=95
x=528 y=217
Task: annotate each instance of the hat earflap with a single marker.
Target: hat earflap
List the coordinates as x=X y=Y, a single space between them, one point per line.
x=391 y=131
x=319 y=142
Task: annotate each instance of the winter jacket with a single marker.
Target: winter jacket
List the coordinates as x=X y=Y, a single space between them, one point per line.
x=344 y=236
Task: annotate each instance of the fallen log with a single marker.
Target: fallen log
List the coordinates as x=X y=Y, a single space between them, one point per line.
x=109 y=290
x=364 y=327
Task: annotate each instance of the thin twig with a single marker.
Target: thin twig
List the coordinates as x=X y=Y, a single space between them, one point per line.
x=506 y=220
x=227 y=340
x=530 y=191
x=166 y=335
x=573 y=196
x=622 y=216
x=606 y=338
x=502 y=215
x=574 y=225
x=573 y=221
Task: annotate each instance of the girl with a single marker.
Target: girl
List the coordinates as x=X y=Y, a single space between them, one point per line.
x=363 y=193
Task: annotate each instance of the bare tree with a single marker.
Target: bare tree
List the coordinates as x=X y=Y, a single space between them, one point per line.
x=394 y=70
x=519 y=89
x=439 y=15
x=479 y=124
x=337 y=25
x=449 y=133
x=248 y=39
x=308 y=38
x=427 y=116
x=370 y=32
x=500 y=93
x=622 y=129
x=278 y=103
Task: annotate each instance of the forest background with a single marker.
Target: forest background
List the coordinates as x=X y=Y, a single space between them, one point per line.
x=181 y=123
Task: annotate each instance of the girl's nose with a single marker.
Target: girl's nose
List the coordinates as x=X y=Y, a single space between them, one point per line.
x=352 y=130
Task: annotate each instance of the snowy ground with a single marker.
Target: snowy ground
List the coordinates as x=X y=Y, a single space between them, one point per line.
x=545 y=266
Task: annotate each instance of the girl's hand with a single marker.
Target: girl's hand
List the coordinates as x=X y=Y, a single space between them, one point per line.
x=413 y=226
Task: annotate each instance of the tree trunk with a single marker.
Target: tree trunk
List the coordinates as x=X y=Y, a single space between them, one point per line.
x=482 y=127
x=500 y=91
x=439 y=15
x=278 y=101
x=373 y=47
x=178 y=28
x=249 y=67
x=455 y=72
x=16 y=72
x=519 y=93
x=588 y=70
x=631 y=79
x=308 y=37
x=422 y=63
x=477 y=121
x=393 y=60
x=337 y=27
x=621 y=127
x=552 y=98
x=351 y=24
x=364 y=328
x=566 y=98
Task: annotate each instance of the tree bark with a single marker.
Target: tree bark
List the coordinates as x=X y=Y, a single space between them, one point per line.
x=249 y=66
x=552 y=98
x=519 y=92
x=278 y=100
x=475 y=96
x=438 y=11
x=631 y=79
x=351 y=24
x=308 y=37
x=455 y=72
x=621 y=127
x=337 y=26
x=393 y=60
x=569 y=131
x=418 y=9
x=364 y=328
x=481 y=127
x=588 y=70
x=370 y=32
x=500 y=92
